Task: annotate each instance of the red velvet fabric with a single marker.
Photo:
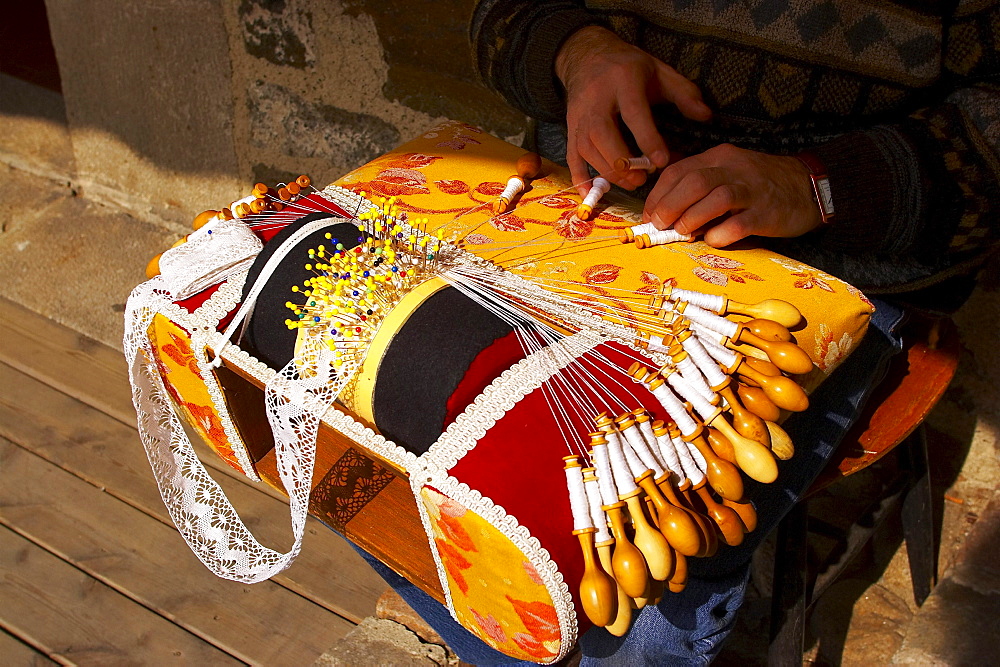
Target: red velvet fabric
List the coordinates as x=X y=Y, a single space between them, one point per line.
x=518 y=463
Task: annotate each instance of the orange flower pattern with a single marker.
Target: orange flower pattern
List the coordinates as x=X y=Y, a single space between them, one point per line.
x=451 y=176
x=181 y=376
x=507 y=607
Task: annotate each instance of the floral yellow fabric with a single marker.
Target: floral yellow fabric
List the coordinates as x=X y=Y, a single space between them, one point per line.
x=496 y=593
x=177 y=366
x=452 y=174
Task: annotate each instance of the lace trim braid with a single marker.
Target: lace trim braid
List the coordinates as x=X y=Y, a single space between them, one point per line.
x=508 y=525
x=501 y=395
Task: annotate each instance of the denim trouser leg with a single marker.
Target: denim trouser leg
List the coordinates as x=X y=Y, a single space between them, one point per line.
x=689 y=628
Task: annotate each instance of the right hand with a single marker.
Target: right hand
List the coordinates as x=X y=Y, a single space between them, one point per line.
x=605 y=78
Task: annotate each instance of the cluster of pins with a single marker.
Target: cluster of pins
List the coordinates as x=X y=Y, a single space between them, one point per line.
x=260 y=200
x=353 y=288
x=641 y=510
x=680 y=483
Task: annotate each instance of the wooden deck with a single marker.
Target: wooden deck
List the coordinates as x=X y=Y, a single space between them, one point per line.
x=93 y=572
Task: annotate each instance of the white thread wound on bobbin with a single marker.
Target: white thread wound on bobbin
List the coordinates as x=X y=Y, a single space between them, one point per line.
x=663 y=236
x=669 y=455
x=624 y=480
x=598 y=189
x=704 y=333
x=713 y=302
x=698 y=458
x=711 y=321
x=578 y=498
x=645 y=459
x=689 y=371
x=704 y=409
x=690 y=466
x=597 y=515
x=656 y=344
x=646 y=428
x=644 y=228
x=605 y=478
x=675 y=409
x=721 y=354
x=705 y=361
x=514 y=186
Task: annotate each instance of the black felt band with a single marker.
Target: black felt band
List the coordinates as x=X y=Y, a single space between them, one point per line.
x=266 y=336
x=424 y=363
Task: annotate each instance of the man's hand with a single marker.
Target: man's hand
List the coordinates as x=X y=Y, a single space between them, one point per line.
x=765 y=195
x=606 y=77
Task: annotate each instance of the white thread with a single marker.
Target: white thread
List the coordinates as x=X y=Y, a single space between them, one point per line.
x=646 y=428
x=644 y=228
x=704 y=361
x=597 y=515
x=663 y=236
x=704 y=333
x=624 y=479
x=578 y=498
x=675 y=409
x=713 y=302
x=669 y=455
x=605 y=478
x=699 y=460
x=598 y=189
x=637 y=441
x=704 y=409
x=689 y=370
x=514 y=186
x=711 y=321
x=722 y=355
x=690 y=467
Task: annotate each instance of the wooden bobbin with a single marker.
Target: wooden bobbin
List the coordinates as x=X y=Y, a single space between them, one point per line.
x=728 y=521
x=745 y=422
x=746 y=512
x=781 y=391
x=787 y=356
x=769 y=330
x=776 y=310
x=752 y=457
x=153 y=267
x=781 y=443
x=756 y=401
x=203 y=219
x=597 y=590
x=627 y=562
x=623 y=604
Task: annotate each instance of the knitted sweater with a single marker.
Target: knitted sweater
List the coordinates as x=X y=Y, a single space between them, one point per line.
x=899 y=99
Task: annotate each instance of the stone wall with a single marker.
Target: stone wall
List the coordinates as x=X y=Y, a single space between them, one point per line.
x=175 y=105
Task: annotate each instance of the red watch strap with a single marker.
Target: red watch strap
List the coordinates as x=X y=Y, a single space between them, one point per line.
x=821 y=184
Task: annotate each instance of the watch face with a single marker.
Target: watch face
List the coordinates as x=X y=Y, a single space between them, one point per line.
x=825 y=198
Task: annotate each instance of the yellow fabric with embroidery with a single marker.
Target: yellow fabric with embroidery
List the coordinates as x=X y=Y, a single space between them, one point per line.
x=452 y=174
x=495 y=592
x=177 y=366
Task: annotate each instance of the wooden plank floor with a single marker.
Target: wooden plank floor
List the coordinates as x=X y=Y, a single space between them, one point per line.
x=92 y=570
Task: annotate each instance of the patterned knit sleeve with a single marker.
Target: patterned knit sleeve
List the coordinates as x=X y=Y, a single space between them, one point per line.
x=514 y=46
x=919 y=199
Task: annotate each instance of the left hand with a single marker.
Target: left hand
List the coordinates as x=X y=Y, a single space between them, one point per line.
x=763 y=195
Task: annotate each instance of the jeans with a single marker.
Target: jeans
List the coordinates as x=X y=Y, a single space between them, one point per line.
x=689 y=628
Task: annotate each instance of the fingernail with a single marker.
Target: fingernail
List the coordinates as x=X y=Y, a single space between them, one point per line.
x=659 y=158
x=658 y=222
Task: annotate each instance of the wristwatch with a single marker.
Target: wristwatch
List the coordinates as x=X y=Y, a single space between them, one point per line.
x=821 y=184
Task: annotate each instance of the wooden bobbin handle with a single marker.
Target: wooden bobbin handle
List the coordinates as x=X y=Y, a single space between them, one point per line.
x=777 y=310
